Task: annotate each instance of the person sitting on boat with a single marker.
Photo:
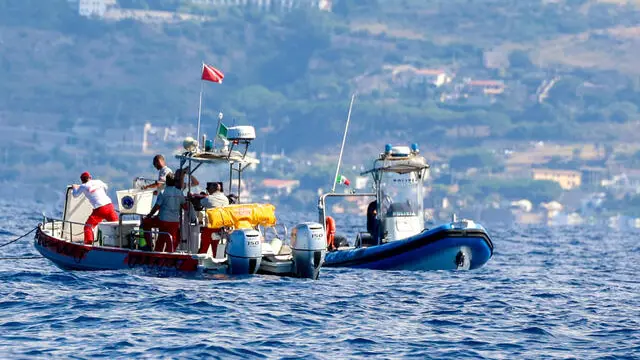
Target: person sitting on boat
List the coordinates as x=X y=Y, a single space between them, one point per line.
x=95 y=192
x=372 y=221
x=163 y=170
x=216 y=197
x=169 y=204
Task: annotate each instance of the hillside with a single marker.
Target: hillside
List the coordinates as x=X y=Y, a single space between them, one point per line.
x=297 y=69
x=448 y=74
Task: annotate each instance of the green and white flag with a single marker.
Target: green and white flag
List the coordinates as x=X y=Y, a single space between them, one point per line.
x=222 y=131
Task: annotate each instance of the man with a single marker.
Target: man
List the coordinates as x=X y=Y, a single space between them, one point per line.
x=216 y=197
x=163 y=170
x=169 y=204
x=95 y=192
x=372 y=221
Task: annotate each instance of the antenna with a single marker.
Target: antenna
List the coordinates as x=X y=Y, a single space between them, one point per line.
x=344 y=138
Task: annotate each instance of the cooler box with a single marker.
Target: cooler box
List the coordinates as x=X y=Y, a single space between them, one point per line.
x=135 y=201
x=108 y=232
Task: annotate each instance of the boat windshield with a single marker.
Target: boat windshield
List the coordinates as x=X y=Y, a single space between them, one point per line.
x=401 y=195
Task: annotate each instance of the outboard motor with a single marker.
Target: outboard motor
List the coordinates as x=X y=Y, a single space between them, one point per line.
x=308 y=247
x=244 y=251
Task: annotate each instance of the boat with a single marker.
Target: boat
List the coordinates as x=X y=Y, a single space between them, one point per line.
x=245 y=238
x=396 y=237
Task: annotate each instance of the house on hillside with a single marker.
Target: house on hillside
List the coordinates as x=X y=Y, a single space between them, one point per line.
x=282 y=187
x=408 y=76
x=484 y=87
x=568 y=179
x=95 y=8
x=267 y=5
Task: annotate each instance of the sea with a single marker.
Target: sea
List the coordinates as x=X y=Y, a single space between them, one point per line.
x=561 y=293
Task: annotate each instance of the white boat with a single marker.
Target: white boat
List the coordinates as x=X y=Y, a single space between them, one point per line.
x=237 y=232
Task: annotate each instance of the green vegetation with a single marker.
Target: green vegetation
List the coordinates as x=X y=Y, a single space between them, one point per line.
x=537 y=191
x=297 y=69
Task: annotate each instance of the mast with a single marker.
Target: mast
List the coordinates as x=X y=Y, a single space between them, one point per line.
x=344 y=138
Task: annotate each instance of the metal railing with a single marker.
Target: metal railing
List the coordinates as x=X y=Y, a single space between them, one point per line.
x=61 y=228
x=322 y=212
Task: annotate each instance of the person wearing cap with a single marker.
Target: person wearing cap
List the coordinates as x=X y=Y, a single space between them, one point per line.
x=163 y=170
x=215 y=198
x=96 y=192
x=168 y=205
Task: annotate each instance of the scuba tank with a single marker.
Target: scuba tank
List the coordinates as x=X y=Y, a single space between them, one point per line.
x=141 y=241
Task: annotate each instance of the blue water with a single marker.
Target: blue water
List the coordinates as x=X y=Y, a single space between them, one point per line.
x=560 y=293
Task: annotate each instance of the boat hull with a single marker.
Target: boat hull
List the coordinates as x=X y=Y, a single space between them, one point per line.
x=77 y=256
x=441 y=248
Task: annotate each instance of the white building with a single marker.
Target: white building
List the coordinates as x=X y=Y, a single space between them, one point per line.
x=324 y=5
x=95 y=8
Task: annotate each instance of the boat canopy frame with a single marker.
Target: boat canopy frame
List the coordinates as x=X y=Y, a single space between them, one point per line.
x=237 y=161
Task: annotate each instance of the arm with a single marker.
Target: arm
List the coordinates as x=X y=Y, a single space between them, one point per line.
x=77 y=190
x=153 y=186
x=154 y=209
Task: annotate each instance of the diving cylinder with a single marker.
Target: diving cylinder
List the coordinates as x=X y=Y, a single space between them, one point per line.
x=244 y=252
x=308 y=247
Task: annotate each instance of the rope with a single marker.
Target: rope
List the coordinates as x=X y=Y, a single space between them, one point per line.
x=21 y=258
x=12 y=241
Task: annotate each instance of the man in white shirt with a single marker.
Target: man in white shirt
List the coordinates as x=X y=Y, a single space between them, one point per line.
x=163 y=170
x=96 y=192
x=216 y=197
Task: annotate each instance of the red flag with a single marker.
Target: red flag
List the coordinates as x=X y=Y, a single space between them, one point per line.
x=212 y=74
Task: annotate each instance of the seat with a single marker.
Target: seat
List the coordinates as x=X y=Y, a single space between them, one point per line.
x=364 y=239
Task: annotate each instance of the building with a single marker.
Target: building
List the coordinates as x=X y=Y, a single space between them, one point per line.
x=406 y=75
x=568 y=179
x=323 y=5
x=486 y=87
x=95 y=8
x=282 y=187
x=593 y=176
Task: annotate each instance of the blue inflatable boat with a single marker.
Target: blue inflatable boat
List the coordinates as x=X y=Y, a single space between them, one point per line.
x=454 y=246
x=396 y=238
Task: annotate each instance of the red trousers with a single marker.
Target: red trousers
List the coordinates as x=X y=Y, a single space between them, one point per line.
x=105 y=212
x=206 y=240
x=162 y=244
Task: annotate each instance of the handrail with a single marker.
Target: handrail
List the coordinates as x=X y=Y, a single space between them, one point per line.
x=321 y=204
x=52 y=221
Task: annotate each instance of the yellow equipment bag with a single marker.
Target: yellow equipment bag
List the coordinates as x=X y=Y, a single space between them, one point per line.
x=241 y=216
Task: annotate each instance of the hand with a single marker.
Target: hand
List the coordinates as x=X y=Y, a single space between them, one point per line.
x=75 y=186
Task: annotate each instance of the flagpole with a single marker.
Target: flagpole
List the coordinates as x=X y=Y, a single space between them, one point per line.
x=344 y=138
x=200 y=111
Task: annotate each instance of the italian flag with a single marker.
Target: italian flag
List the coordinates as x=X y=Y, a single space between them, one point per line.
x=341 y=179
